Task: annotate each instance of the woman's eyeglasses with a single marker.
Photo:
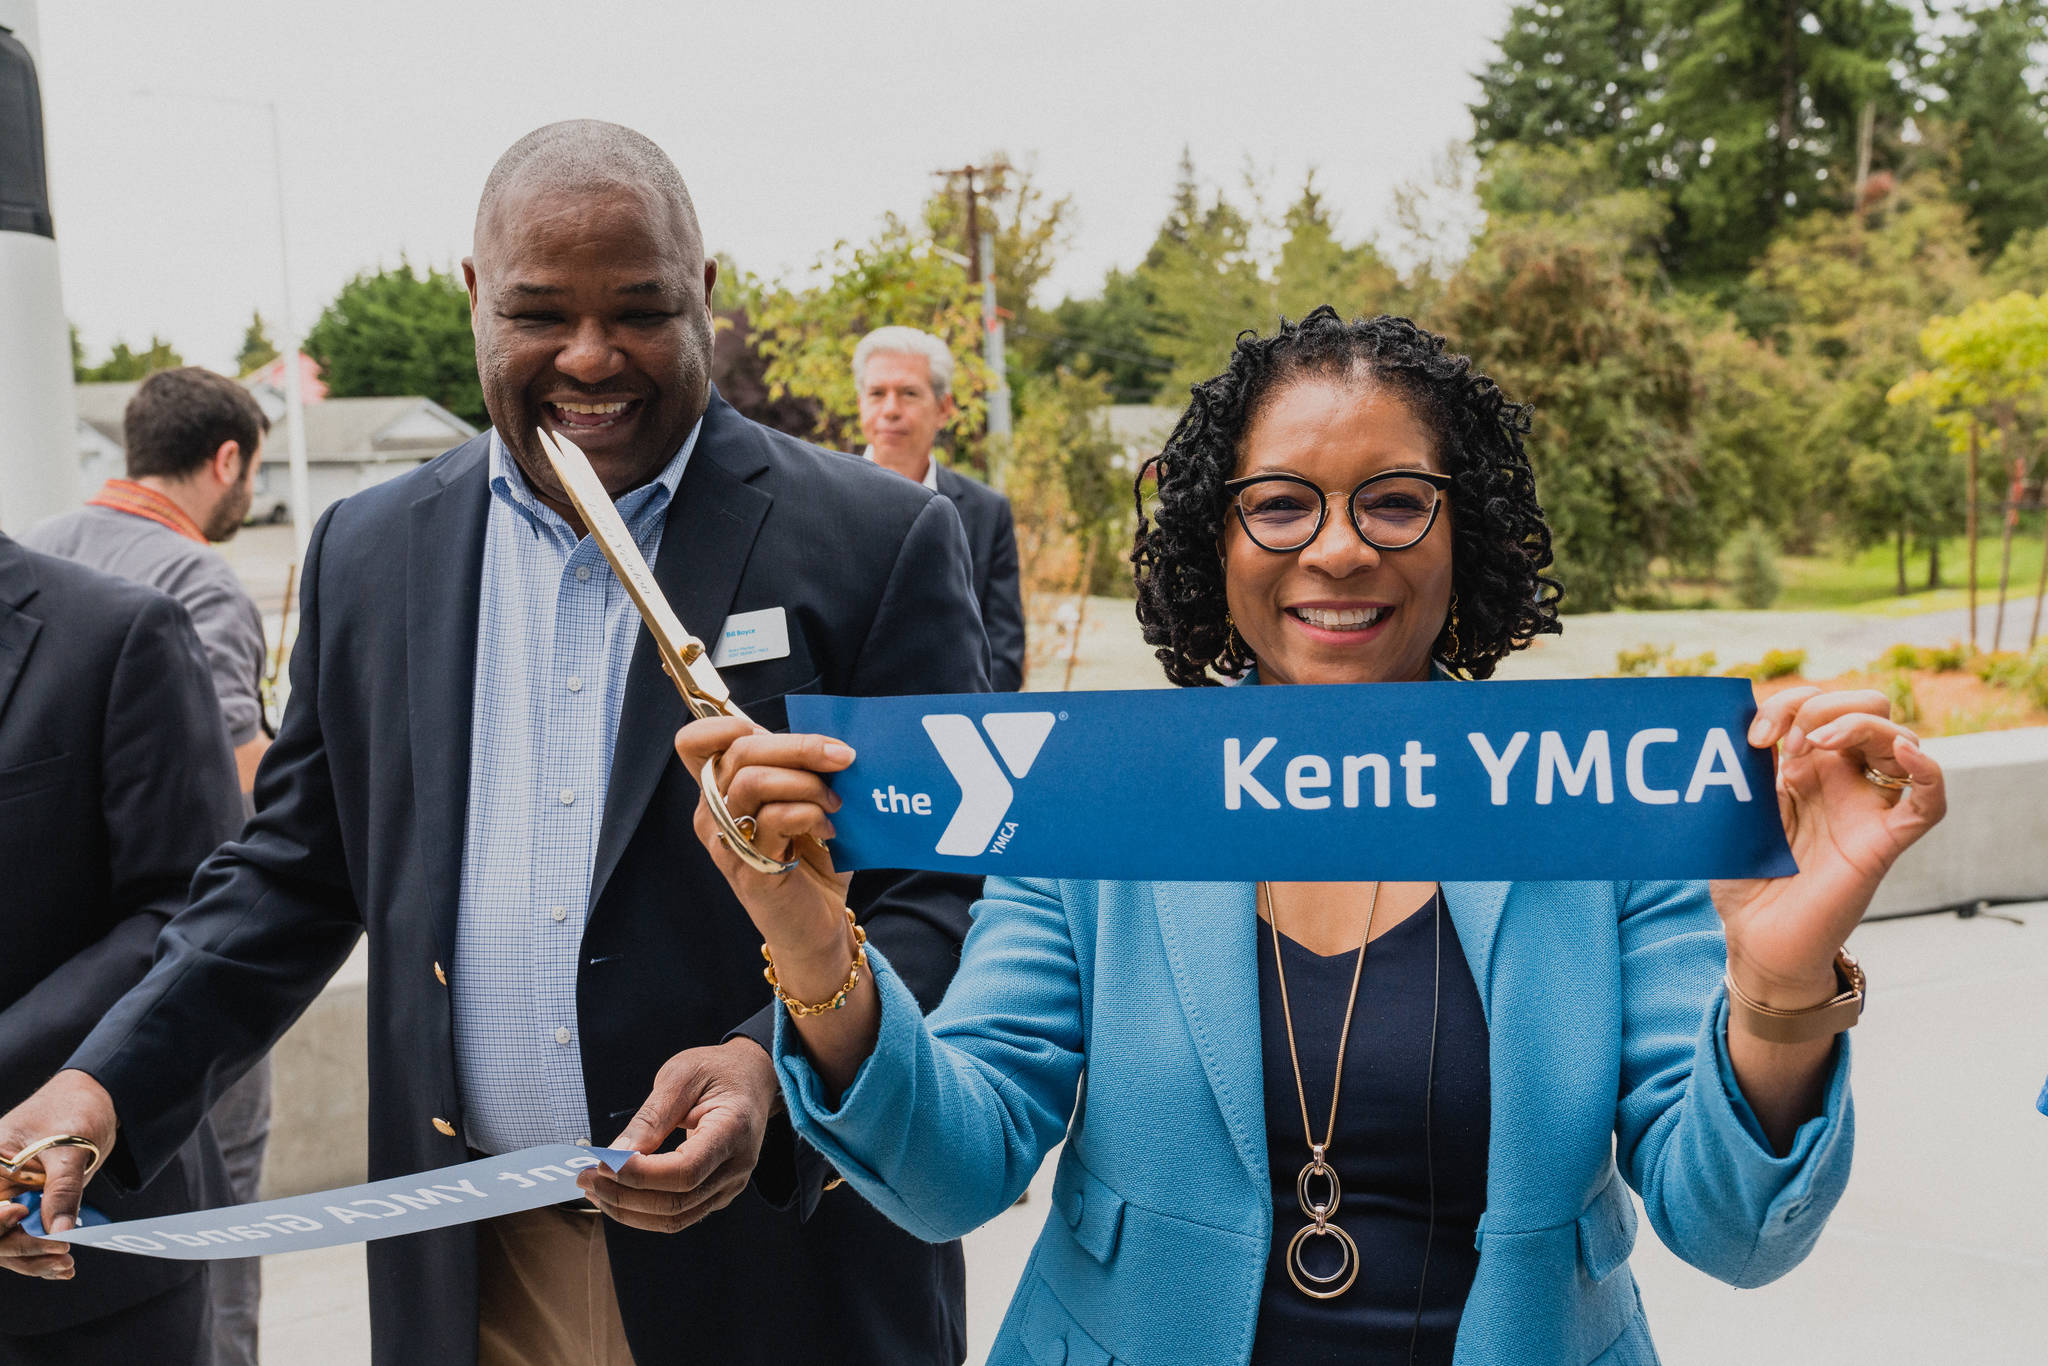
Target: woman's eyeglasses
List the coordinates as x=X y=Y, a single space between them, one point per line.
x=1390 y=511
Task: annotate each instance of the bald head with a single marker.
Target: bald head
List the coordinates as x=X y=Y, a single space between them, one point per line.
x=590 y=299
x=588 y=156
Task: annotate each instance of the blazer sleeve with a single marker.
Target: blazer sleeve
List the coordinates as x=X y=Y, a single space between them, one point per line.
x=1002 y=604
x=272 y=917
x=950 y=1116
x=167 y=797
x=1715 y=1190
x=925 y=638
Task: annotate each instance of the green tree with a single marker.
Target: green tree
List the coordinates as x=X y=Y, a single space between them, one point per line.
x=2022 y=266
x=1205 y=282
x=1756 y=119
x=1568 y=73
x=1315 y=267
x=1107 y=337
x=1989 y=381
x=394 y=332
x=1993 y=95
x=124 y=364
x=1549 y=305
x=257 y=348
x=1853 y=291
x=807 y=335
x=77 y=356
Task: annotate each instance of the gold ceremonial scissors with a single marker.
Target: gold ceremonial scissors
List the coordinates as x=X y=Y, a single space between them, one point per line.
x=683 y=656
x=18 y=1171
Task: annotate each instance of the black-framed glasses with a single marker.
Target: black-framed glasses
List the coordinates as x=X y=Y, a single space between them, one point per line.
x=1390 y=511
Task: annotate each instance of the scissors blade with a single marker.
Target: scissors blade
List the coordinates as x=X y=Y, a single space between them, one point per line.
x=682 y=654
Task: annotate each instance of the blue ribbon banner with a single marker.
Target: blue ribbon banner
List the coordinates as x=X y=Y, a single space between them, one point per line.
x=524 y=1180
x=1599 y=779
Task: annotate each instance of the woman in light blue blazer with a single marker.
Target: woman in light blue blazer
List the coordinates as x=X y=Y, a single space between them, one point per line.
x=1385 y=1122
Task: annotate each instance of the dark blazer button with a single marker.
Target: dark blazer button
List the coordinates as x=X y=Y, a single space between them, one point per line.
x=439 y=975
x=444 y=1126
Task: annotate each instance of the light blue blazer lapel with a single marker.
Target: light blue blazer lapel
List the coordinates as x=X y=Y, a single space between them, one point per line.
x=1475 y=909
x=1210 y=932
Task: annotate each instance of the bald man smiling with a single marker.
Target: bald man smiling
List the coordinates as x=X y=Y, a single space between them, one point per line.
x=476 y=770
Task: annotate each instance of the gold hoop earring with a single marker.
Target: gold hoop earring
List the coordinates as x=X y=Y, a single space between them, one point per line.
x=1451 y=631
x=1234 y=643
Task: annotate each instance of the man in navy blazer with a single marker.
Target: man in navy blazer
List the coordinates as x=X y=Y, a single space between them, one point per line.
x=429 y=685
x=904 y=379
x=115 y=781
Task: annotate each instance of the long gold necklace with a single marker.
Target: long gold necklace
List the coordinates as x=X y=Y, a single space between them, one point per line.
x=1319 y=1213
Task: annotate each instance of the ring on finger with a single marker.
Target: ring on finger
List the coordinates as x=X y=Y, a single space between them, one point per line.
x=1890 y=782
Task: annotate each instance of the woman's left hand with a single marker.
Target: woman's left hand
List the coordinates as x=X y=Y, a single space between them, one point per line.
x=1845 y=830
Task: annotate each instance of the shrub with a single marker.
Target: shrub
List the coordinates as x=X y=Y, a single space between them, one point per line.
x=1948 y=658
x=1641 y=660
x=1898 y=687
x=1774 y=664
x=1698 y=666
x=1933 y=658
x=1755 y=575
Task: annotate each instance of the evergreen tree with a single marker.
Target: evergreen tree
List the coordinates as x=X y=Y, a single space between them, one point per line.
x=1567 y=73
x=257 y=348
x=394 y=332
x=1992 y=95
x=123 y=363
x=1108 y=337
x=1756 y=121
x=1315 y=267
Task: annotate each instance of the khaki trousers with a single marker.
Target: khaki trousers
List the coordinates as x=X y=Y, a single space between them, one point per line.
x=544 y=1292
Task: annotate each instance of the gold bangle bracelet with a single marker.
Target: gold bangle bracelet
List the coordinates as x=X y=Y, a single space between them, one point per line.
x=802 y=1009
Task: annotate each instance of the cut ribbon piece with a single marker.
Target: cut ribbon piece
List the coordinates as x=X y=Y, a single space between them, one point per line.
x=463 y=1194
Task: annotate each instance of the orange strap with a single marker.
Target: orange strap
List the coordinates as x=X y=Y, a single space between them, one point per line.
x=139 y=500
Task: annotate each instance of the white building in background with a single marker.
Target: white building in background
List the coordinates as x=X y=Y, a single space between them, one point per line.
x=351 y=443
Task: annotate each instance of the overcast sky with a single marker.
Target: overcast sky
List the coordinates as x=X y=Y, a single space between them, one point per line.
x=795 y=124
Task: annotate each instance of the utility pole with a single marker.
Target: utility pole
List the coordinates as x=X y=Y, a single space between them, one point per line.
x=294 y=400
x=981 y=267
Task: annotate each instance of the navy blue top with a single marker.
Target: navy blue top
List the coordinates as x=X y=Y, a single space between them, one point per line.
x=1385 y=1146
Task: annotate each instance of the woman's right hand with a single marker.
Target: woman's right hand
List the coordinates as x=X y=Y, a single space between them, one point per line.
x=780 y=782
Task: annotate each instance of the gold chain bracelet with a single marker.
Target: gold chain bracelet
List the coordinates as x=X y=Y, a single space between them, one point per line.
x=838 y=999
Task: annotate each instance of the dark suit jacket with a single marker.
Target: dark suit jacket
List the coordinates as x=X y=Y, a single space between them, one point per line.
x=115 y=781
x=992 y=538
x=359 y=827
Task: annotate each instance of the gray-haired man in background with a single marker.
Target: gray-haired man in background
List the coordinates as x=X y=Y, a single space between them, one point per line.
x=905 y=381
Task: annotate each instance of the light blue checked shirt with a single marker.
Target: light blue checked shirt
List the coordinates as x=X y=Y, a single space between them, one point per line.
x=554 y=638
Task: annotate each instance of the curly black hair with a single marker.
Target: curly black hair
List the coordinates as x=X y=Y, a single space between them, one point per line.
x=1500 y=545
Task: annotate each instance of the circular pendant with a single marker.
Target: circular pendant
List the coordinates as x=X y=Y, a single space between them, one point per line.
x=1318 y=1210
x=1308 y=1282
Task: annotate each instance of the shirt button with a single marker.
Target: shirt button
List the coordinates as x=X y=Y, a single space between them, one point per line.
x=568 y=796
x=560 y=913
x=583 y=573
x=583 y=1143
x=561 y=1035
x=575 y=685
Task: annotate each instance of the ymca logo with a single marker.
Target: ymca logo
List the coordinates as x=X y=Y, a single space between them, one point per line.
x=985 y=794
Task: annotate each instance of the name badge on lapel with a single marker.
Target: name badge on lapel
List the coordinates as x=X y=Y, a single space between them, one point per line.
x=750 y=637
